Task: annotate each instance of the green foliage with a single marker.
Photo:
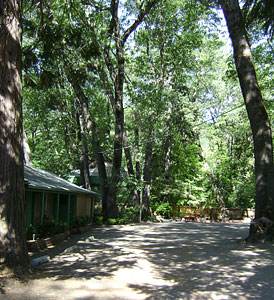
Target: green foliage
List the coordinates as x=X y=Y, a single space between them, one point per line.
x=126 y=215
x=112 y=221
x=80 y=221
x=151 y=218
x=129 y=215
x=162 y=209
x=228 y=152
x=46 y=229
x=98 y=220
x=260 y=11
x=180 y=84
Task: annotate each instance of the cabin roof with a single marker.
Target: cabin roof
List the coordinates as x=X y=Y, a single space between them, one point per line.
x=36 y=179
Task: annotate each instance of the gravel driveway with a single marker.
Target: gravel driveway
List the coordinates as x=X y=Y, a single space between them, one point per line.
x=154 y=261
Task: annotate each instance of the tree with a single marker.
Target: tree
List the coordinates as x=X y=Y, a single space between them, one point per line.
x=160 y=93
x=117 y=76
x=99 y=65
x=13 y=248
x=257 y=114
x=262 y=11
x=85 y=60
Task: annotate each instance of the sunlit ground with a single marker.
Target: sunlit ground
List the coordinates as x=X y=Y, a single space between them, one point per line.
x=157 y=261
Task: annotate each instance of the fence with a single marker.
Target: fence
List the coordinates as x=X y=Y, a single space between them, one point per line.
x=213 y=213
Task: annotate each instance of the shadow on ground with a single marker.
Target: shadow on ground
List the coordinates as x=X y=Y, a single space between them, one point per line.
x=158 y=261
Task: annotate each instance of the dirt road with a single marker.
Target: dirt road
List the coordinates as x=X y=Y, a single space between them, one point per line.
x=154 y=261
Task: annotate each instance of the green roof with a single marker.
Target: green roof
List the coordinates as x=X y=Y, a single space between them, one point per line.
x=93 y=172
x=37 y=179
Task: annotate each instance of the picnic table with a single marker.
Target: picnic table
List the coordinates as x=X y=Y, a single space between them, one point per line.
x=194 y=218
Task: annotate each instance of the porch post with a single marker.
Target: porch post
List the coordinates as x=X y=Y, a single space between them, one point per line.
x=93 y=205
x=68 y=207
x=42 y=208
x=58 y=203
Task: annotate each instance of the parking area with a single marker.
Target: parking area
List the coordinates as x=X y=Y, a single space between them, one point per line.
x=174 y=260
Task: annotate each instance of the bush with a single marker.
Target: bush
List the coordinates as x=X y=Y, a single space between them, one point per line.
x=129 y=215
x=80 y=221
x=112 y=221
x=98 y=220
x=163 y=209
x=121 y=221
x=46 y=229
x=151 y=218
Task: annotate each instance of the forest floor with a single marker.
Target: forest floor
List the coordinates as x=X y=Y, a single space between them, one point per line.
x=152 y=261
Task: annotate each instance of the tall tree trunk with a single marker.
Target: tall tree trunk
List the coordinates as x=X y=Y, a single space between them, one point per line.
x=258 y=117
x=117 y=104
x=101 y=170
x=84 y=161
x=81 y=157
x=117 y=155
x=103 y=183
x=84 y=123
x=131 y=173
x=168 y=144
x=137 y=196
x=117 y=75
x=92 y=130
x=147 y=178
x=13 y=248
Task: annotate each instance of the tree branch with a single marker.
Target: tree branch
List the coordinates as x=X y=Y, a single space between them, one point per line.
x=139 y=20
x=98 y=7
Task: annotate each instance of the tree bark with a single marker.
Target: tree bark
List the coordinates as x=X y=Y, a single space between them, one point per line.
x=100 y=161
x=147 y=178
x=13 y=248
x=168 y=147
x=103 y=183
x=117 y=74
x=131 y=173
x=84 y=161
x=84 y=123
x=137 y=196
x=258 y=117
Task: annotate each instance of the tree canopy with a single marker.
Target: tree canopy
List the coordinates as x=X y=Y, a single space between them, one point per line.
x=167 y=94
x=150 y=87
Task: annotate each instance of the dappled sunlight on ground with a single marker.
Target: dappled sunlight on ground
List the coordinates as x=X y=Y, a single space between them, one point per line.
x=157 y=261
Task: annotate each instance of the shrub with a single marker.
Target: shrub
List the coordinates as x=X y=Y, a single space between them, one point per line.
x=129 y=215
x=111 y=221
x=98 y=220
x=163 y=209
x=122 y=221
x=46 y=229
x=80 y=221
x=151 y=218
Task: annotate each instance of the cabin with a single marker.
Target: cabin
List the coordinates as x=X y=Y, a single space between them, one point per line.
x=74 y=175
x=52 y=197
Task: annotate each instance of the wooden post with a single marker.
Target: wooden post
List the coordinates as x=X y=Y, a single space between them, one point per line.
x=42 y=208
x=58 y=203
x=69 y=207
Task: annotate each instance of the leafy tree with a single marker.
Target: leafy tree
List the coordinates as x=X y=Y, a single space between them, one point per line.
x=258 y=117
x=101 y=52
x=260 y=11
x=86 y=64
x=159 y=93
x=230 y=158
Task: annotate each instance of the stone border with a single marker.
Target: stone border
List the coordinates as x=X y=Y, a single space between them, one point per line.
x=41 y=244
